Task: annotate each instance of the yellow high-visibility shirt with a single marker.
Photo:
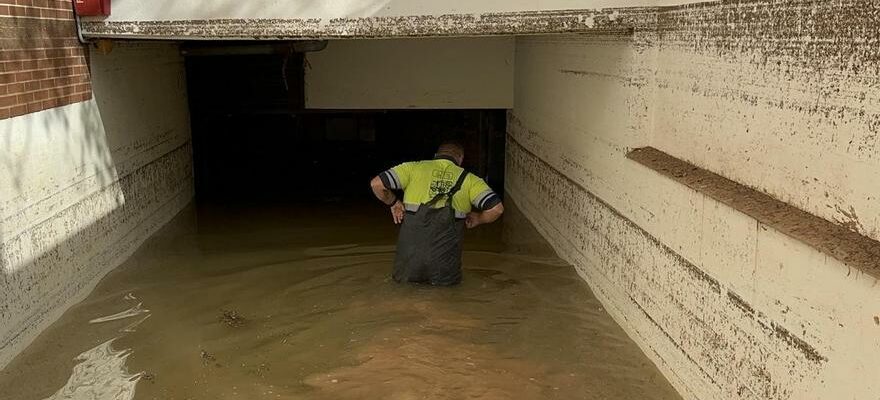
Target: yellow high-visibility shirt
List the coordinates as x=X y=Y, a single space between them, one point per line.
x=422 y=180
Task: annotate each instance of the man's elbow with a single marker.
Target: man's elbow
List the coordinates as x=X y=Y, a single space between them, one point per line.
x=377 y=184
x=495 y=212
x=500 y=208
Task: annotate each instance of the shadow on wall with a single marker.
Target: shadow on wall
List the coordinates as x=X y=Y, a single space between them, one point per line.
x=85 y=183
x=56 y=164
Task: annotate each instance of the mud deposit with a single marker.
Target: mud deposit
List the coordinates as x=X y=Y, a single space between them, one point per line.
x=296 y=303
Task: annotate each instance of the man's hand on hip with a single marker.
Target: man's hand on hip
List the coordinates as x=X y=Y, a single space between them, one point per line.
x=472 y=220
x=397 y=212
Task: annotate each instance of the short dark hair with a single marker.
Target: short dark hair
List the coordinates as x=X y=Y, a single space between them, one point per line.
x=451 y=148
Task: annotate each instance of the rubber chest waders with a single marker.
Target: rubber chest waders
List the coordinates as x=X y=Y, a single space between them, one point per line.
x=429 y=246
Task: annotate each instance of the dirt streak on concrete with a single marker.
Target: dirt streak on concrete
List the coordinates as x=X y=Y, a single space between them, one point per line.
x=832 y=239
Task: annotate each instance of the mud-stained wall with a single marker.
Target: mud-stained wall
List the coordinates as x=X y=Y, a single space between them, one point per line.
x=412 y=73
x=81 y=186
x=727 y=306
x=782 y=96
x=171 y=10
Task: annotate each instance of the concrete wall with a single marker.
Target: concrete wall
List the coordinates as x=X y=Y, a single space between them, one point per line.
x=160 y=10
x=412 y=73
x=727 y=306
x=797 y=118
x=82 y=185
x=272 y=19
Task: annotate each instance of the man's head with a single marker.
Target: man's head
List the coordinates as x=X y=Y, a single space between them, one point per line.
x=453 y=150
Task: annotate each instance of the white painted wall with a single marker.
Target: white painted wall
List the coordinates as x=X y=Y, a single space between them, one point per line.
x=802 y=130
x=412 y=73
x=162 y=10
x=727 y=307
x=81 y=186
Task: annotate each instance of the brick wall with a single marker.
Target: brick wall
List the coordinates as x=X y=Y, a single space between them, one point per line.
x=42 y=64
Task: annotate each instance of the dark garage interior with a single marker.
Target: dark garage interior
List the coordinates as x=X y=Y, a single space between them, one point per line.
x=254 y=140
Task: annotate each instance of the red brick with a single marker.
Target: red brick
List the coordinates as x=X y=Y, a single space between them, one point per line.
x=7 y=2
x=22 y=11
x=22 y=76
x=16 y=11
x=26 y=65
x=64 y=15
x=79 y=78
x=24 y=98
x=4 y=11
x=8 y=101
x=49 y=63
x=5 y=113
x=7 y=78
x=41 y=95
x=19 y=110
x=14 y=88
x=31 y=86
x=34 y=107
x=11 y=55
x=67 y=99
x=37 y=75
x=83 y=87
x=25 y=3
x=79 y=70
x=60 y=4
x=48 y=84
x=55 y=53
x=12 y=66
x=77 y=97
x=52 y=103
x=60 y=72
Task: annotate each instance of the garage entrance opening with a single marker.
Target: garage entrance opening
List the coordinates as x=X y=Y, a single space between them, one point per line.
x=275 y=283
x=253 y=140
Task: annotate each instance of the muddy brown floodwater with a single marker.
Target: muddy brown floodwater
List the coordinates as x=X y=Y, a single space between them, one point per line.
x=283 y=302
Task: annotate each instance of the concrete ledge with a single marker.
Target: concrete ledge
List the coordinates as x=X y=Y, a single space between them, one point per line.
x=829 y=238
x=621 y=21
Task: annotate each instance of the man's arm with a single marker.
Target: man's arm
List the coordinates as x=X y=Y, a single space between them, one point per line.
x=382 y=193
x=389 y=198
x=489 y=216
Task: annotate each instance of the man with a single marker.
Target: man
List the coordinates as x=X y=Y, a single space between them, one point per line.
x=429 y=245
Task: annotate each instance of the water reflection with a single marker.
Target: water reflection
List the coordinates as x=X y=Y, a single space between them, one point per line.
x=296 y=303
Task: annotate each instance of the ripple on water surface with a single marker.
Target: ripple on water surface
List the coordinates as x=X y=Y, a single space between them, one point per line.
x=297 y=304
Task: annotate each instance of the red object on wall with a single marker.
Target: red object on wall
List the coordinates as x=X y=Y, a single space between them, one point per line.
x=88 y=8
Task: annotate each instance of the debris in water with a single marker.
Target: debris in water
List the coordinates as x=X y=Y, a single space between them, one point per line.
x=101 y=374
x=232 y=318
x=207 y=358
x=130 y=327
x=260 y=371
x=131 y=312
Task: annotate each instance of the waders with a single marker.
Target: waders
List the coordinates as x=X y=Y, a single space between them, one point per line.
x=429 y=246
